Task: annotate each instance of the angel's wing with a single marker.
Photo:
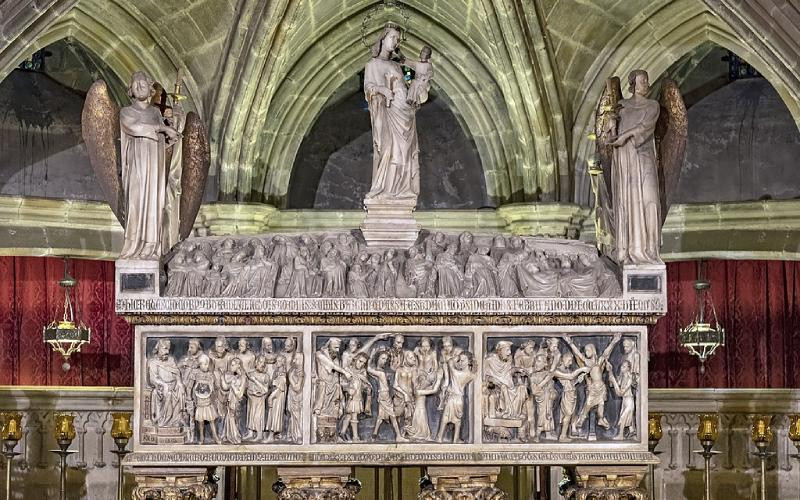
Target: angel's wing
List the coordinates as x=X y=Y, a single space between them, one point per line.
x=605 y=130
x=100 y=128
x=605 y=125
x=196 y=160
x=670 y=135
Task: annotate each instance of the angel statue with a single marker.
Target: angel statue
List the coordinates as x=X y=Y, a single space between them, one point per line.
x=151 y=160
x=640 y=150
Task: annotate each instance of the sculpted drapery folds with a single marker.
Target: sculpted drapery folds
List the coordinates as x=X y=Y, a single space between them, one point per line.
x=640 y=150
x=155 y=182
x=392 y=108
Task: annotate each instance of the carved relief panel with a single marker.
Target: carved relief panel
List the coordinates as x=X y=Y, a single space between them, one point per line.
x=392 y=388
x=561 y=388
x=222 y=389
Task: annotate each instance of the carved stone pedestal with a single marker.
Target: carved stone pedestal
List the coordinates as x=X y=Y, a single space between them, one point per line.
x=389 y=225
x=462 y=483
x=173 y=483
x=315 y=483
x=621 y=482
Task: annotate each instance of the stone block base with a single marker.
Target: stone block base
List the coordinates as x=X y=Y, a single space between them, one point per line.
x=389 y=225
x=138 y=279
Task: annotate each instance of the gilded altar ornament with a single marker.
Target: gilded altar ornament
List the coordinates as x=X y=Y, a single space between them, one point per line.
x=121 y=431
x=761 y=434
x=11 y=432
x=163 y=160
x=708 y=428
x=640 y=146
x=67 y=335
x=64 y=431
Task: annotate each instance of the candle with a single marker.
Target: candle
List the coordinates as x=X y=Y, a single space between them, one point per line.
x=761 y=430
x=707 y=430
x=64 y=426
x=654 y=431
x=794 y=428
x=11 y=426
x=121 y=426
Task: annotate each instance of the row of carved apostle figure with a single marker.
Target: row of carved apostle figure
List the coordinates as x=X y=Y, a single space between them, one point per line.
x=404 y=380
x=212 y=390
x=521 y=397
x=338 y=266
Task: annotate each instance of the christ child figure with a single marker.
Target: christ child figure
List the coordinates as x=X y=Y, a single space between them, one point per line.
x=202 y=393
x=423 y=72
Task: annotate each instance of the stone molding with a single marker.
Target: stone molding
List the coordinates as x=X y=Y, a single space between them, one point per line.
x=755 y=230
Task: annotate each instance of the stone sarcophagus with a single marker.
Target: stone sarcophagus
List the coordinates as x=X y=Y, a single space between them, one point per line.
x=321 y=395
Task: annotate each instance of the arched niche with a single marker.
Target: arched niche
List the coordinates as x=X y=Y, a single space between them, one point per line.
x=333 y=165
x=743 y=142
x=41 y=146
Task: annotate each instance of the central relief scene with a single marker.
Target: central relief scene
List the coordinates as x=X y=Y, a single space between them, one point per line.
x=393 y=388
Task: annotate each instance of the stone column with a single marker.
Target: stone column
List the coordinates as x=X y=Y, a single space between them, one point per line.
x=316 y=483
x=173 y=483
x=621 y=482
x=462 y=483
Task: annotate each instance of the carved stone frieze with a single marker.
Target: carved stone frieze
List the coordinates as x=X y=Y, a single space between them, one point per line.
x=339 y=265
x=215 y=390
x=561 y=388
x=328 y=395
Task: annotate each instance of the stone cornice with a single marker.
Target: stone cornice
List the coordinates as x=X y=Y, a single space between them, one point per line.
x=743 y=230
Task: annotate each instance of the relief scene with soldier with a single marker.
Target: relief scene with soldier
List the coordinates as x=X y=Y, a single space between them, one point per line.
x=562 y=388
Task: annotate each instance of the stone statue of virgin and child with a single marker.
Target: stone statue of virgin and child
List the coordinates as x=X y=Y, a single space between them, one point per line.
x=392 y=107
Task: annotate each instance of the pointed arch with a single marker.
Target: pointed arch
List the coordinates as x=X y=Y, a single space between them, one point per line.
x=670 y=33
x=112 y=29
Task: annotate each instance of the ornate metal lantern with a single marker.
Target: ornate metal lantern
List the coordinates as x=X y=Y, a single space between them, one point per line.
x=67 y=336
x=704 y=334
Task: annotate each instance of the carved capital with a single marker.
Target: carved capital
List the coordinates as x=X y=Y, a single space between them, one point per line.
x=611 y=482
x=173 y=483
x=461 y=483
x=316 y=483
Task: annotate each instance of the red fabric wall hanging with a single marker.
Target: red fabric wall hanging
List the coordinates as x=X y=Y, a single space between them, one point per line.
x=758 y=302
x=30 y=298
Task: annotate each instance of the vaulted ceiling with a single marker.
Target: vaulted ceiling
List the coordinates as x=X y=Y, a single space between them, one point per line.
x=522 y=76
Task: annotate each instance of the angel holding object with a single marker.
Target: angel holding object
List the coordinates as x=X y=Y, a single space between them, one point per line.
x=640 y=148
x=155 y=179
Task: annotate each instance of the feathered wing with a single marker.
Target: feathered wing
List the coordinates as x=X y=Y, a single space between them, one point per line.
x=100 y=128
x=670 y=134
x=194 y=171
x=605 y=131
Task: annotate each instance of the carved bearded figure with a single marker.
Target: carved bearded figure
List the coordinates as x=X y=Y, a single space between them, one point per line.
x=168 y=398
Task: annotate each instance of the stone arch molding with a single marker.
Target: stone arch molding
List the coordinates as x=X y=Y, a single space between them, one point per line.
x=265 y=123
x=670 y=33
x=111 y=29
